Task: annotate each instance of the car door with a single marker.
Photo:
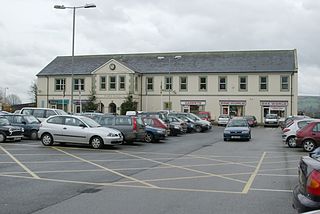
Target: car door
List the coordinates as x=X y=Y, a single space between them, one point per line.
x=316 y=133
x=74 y=130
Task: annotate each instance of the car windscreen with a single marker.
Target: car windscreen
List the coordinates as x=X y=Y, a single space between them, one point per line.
x=90 y=122
x=4 y=122
x=31 y=119
x=238 y=123
x=194 y=117
x=272 y=116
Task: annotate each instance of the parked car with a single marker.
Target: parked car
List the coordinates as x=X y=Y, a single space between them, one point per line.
x=199 y=124
x=252 y=120
x=223 y=119
x=289 y=133
x=8 y=132
x=131 y=127
x=190 y=123
x=290 y=119
x=91 y=115
x=153 y=134
x=77 y=129
x=157 y=123
x=271 y=120
x=205 y=115
x=4 y=112
x=160 y=115
x=306 y=195
x=29 y=123
x=177 y=126
x=309 y=136
x=42 y=113
x=237 y=128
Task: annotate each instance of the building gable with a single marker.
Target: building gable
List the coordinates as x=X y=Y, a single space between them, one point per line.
x=113 y=67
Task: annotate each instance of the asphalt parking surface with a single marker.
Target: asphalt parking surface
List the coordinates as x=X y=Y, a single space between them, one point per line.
x=193 y=173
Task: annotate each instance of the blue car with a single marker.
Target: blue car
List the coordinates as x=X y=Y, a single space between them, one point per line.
x=237 y=129
x=154 y=134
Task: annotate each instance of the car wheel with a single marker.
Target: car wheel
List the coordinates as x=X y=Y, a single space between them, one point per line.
x=309 y=145
x=47 y=139
x=148 y=137
x=291 y=141
x=96 y=142
x=34 y=135
x=2 y=137
x=198 y=129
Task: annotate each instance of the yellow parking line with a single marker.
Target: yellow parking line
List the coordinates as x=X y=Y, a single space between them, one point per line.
x=20 y=164
x=223 y=161
x=253 y=175
x=128 y=186
x=184 y=168
x=107 y=169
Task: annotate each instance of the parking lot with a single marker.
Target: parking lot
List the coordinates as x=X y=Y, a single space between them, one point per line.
x=193 y=173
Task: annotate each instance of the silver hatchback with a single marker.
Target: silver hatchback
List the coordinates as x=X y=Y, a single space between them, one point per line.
x=77 y=129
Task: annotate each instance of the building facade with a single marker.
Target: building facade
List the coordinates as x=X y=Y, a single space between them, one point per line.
x=230 y=82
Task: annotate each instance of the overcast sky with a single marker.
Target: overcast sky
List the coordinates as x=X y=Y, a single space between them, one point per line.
x=33 y=33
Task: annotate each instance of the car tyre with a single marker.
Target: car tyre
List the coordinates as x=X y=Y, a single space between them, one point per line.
x=291 y=141
x=96 y=142
x=197 y=129
x=34 y=135
x=309 y=145
x=2 y=137
x=149 y=137
x=47 y=139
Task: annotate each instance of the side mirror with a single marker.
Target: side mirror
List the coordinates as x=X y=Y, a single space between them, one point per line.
x=82 y=125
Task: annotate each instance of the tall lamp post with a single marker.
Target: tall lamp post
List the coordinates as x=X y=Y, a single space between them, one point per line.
x=73 y=35
x=5 y=95
x=169 y=73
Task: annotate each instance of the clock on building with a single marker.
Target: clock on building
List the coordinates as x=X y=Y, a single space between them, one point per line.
x=112 y=66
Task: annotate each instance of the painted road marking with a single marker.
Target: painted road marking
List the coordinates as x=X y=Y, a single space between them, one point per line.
x=253 y=175
x=105 y=168
x=184 y=168
x=20 y=164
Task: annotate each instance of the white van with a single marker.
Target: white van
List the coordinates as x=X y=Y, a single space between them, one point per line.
x=42 y=113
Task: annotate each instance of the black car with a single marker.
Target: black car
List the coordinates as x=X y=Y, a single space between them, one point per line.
x=8 y=132
x=29 y=123
x=306 y=195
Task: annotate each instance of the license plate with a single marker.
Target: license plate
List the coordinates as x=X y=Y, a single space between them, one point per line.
x=235 y=137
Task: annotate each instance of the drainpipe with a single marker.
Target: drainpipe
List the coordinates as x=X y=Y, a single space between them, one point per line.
x=140 y=92
x=47 y=91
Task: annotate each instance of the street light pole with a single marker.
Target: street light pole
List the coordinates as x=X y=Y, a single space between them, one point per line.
x=170 y=78
x=73 y=36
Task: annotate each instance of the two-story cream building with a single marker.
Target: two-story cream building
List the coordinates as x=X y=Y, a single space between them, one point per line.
x=227 y=82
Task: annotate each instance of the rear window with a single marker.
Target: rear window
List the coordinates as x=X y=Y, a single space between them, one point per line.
x=123 y=121
x=38 y=113
x=55 y=120
x=302 y=124
x=272 y=116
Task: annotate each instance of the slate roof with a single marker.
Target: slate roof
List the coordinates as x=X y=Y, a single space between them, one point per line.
x=190 y=62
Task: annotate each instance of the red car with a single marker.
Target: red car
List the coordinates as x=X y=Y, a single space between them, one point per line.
x=309 y=136
x=157 y=123
x=252 y=121
x=205 y=115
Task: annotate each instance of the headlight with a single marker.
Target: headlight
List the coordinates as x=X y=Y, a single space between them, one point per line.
x=177 y=127
x=226 y=132
x=22 y=129
x=111 y=135
x=245 y=132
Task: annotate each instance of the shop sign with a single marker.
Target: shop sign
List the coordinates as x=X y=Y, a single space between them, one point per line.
x=193 y=102
x=232 y=102
x=61 y=101
x=274 y=103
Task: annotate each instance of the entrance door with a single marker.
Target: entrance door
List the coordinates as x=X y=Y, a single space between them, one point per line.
x=112 y=108
x=194 y=109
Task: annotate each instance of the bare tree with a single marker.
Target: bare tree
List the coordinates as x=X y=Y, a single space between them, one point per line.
x=33 y=91
x=13 y=99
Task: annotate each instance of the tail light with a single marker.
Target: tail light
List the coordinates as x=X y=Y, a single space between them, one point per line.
x=285 y=130
x=313 y=183
x=135 y=127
